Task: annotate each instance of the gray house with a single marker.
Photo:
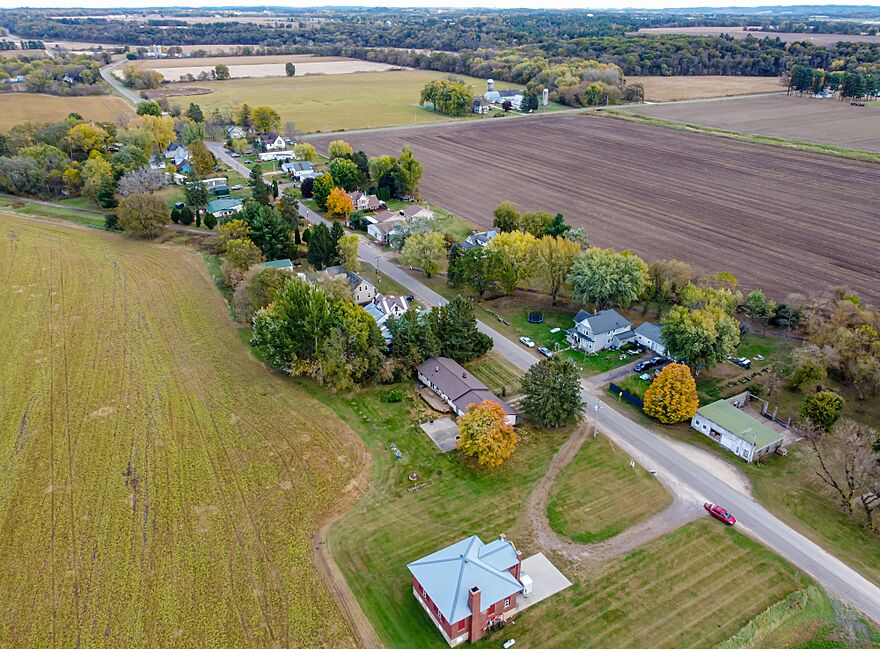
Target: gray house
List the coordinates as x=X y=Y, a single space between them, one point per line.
x=650 y=336
x=362 y=290
x=458 y=387
x=600 y=330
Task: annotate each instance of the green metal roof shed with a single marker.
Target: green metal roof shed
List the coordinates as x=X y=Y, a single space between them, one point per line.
x=734 y=420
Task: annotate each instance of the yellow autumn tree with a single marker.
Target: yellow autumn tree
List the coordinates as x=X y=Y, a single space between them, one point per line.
x=672 y=397
x=485 y=434
x=339 y=203
x=515 y=258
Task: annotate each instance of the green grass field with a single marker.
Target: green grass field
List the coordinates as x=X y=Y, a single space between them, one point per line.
x=598 y=495
x=667 y=594
x=61 y=212
x=500 y=375
x=159 y=487
x=334 y=102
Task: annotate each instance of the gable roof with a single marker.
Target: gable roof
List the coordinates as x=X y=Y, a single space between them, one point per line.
x=459 y=385
x=651 y=331
x=734 y=420
x=448 y=574
x=602 y=321
x=269 y=138
x=478 y=239
x=415 y=210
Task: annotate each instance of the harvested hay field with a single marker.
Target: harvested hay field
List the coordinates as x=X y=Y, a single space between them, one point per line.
x=159 y=487
x=778 y=219
x=739 y=33
x=261 y=66
x=335 y=102
x=682 y=88
x=18 y=107
x=827 y=121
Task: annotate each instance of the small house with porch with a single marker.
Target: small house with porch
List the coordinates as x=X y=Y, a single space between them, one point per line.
x=366 y=202
x=223 y=208
x=593 y=332
x=650 y=336
x=458 y=387
x=272 y=141
x=469 y=587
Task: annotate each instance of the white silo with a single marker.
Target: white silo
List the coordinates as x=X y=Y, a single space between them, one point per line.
x=545 y=97
x=490 y=85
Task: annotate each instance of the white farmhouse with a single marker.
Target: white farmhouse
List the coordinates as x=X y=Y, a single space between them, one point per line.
x=597 y=331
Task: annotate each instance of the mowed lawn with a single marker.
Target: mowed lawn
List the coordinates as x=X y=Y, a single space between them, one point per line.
x=334 y=102
x=598 y=495
x=692 y=588
x=159 y=487
x=671 y=593
x=18 y=107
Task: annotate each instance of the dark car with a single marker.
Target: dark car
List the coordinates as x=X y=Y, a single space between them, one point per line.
x=716 y=511
x=641 y=366
x=410 y=298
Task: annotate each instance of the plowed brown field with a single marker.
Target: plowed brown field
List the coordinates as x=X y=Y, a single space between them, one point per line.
x=779 y=219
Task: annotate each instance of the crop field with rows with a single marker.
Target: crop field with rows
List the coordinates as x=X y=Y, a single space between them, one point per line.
x=158 y=486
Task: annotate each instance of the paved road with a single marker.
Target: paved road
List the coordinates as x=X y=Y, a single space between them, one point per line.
x=658 y=453
x=125 y=93
x=222 y=154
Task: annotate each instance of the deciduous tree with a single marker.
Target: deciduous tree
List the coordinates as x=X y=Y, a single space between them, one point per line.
x=506 y=218
x=241 y=254
x=305 y=151
x=474 y=268
x=554 y=257
x=485 y=434
x=515 y=258
x=701 y=337
x=822 y=409
x=347 y=251
x=345 y=173
x=552 y=393
x=232 y=230
x=143 y=215
x=536 y=223
x=672 y=396
x=149 y=107
x=321 y=188
x=410 y=172
x=202 y=160
x=339 y=203
x=425 y=251
x=289 y=69
x=141 y=181
x=339 y=149
x=603 y=277
x=265 y=119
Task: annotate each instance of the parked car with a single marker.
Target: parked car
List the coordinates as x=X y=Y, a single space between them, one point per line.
x=716 y=511
x=546 y=352
x=236 y=187
x=410 y=298
x=743 y=362
x=234 y=155
x=528 y=342
x=641 y=366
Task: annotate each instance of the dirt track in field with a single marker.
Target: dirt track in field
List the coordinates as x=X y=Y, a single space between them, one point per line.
x=784 y=220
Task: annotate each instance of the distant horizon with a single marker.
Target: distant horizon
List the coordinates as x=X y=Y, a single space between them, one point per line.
x=651 y=5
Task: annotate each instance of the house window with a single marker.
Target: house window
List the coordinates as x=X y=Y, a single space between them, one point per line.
x=507 y=602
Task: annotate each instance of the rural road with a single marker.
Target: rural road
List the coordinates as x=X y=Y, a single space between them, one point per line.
x=655 y=452
x=125 y=93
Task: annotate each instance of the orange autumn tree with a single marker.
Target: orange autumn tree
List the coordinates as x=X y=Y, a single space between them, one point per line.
x=672 y=397
x=485 y=434
x=339 y=203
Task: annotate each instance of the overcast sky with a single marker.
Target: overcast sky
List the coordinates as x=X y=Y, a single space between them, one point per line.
x=495 y=4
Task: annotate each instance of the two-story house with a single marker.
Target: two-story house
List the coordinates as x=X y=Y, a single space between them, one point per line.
x=469 y=587
x=600 y=330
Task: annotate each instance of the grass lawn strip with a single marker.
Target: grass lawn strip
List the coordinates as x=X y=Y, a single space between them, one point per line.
x=598 y=495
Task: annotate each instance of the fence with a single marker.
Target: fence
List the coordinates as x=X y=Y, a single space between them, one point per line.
x=627 y=395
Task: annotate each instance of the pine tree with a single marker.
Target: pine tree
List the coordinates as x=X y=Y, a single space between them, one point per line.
x=552 y=393
x=455 y=326
x=321 y=247
x=259 y=189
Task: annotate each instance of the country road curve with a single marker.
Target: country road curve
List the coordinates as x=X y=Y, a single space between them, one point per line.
x=655 y=452
x=125 y=93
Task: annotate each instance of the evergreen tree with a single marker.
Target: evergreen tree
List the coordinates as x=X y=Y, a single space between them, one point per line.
x=269 y=230
x=198 y=218
x=194 y=112
x=259 y=189
x=186 y=215
x=321 y=247
x=557 y=227
x=413 y=340
x=210 y=220
x=274 y=188
x=455 y=326
x=552 y=393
